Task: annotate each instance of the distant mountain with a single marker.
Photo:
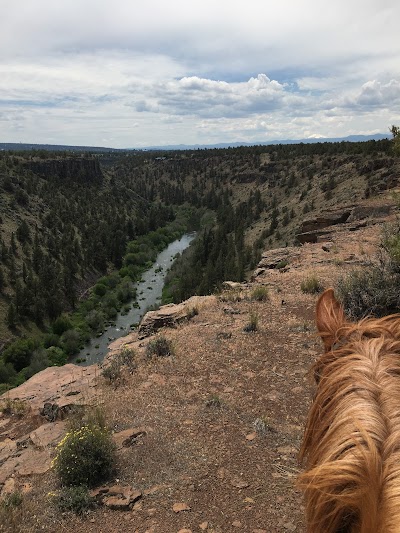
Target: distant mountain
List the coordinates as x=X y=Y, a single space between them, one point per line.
x=66 y=148
x=350 y=138
x=55 y=147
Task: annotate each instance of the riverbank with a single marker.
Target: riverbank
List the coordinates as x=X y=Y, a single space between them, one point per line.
x=112 y=294
x=148 y=295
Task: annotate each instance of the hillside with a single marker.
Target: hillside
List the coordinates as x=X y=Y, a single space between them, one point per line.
x=217 y=426
x=69 y=221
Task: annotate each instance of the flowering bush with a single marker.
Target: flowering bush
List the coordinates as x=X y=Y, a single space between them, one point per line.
x=85 y=456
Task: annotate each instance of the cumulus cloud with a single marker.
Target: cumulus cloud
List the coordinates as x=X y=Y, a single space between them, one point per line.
x=178 y=71
x=375 y=93
x=204 y=97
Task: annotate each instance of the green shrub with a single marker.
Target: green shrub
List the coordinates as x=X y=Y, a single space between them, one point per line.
x=61 y=324
x=261 y=425
x=113 y=371
x=260 y=294
x=311 y=285
x=51 y=339
x=125 y=358
x=95 y=319
x=71 y=341
x=252 y=324
x=56 y=356
x=214 y=401
x=75 y=499
x=85 y=456
x=19 y=353
x=282 y=264
x=7 y=372
x=373 y=291
x=100 y=289
x=12 y=500
x=160 y=346
x=39 y=361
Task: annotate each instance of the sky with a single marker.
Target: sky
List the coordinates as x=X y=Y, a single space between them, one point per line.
x=130 y=74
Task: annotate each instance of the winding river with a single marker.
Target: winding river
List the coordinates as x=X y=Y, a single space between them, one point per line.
x=149 y=292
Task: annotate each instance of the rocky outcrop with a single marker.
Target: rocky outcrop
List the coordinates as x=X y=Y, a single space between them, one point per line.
x=116 y=497
x=48 y=396
x=29 y=454
x=56 y=389
x=168 y=316
x=325 y=220
x=246 y=177
x=277 y=258
x=318 y=228
x=365 y=211
x=83 y=170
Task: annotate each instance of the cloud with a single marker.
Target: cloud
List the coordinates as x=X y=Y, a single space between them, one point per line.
x=374 y=93
x=86 y=70
x=202 y=97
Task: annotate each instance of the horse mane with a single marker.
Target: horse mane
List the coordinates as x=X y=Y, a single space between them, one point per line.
x=351 y=445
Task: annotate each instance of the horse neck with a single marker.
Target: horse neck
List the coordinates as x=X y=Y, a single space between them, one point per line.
x=354 y=429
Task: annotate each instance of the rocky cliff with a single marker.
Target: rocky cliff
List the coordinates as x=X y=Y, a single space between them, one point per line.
x=223 y=415
x=83 y=170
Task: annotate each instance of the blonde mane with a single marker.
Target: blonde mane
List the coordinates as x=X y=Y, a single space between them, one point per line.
x=351 y=446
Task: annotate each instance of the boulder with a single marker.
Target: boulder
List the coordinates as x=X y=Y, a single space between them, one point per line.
x=53 y=386
x=116 y=497
x=274 y=258
x=233 y=285
x=167 y=316
x=313 y=236
x=34 y=462
x=325 y=220
x=48 y=434
x=128 y=437
x=8 y=487
x=364 y=211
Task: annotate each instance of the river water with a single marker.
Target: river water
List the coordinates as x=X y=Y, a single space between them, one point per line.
x=149 y=292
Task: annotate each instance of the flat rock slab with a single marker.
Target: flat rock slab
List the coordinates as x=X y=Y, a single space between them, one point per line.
x=7 y=448
x=48 y=434
x=8 y=468
x=168 y=316
x=34 y=462
x=273 y=258
x=54 y=385
x=8 y=487
x=116 y=497
x=128 y=437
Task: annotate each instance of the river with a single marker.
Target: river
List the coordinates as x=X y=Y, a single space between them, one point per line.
x=149 y=292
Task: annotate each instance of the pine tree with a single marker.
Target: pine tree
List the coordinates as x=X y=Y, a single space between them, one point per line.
x=11 y=316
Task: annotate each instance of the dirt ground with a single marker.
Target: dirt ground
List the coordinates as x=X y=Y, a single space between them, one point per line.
x=224 y=415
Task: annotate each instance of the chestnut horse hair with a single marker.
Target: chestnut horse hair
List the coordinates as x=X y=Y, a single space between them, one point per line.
x=351 y=446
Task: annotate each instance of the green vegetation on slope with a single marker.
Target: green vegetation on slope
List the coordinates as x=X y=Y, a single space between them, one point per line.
x=71 y=222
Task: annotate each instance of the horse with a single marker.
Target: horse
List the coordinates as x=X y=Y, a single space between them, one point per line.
x=351 y=443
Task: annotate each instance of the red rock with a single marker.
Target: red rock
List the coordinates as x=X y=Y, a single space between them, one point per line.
x=8 y=487
x=179 y=507
x=34 y=462
x=117 y=502
x=48 y=434
x=127 y=437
